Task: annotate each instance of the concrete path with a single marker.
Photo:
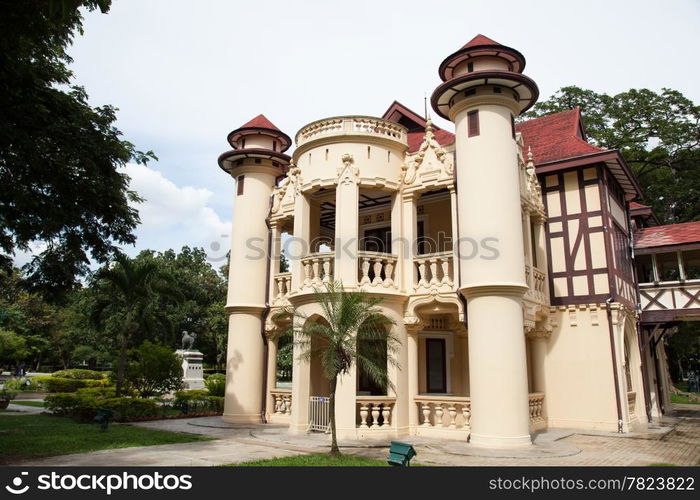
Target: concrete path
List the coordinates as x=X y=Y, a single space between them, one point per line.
x=675 y=440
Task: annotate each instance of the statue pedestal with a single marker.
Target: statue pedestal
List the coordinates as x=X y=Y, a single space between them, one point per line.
x=192 y=370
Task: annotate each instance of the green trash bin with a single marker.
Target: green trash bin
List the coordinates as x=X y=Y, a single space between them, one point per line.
x=103 y=417
x=400 y=454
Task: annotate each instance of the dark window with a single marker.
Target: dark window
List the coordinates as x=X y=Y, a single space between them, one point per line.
x=473 y=123
x=239 y=185
x=274 y=145
x=469 y=92
x=645 y=268
x=497 y=90
x=422 y=243
x=258 y=161
x=243 y=143
x=667 y=266
x=374 y=350
x=512 y=125
x=377 y=240
x=691 y=264
x=470 y=67
x=436 y=368
x=533 y=243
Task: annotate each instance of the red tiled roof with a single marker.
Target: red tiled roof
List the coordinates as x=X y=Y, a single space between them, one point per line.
x=260 y=121
x=480 y=40
x=555 y=137
x=670 y=234
x=443 y=137
x=637 y=206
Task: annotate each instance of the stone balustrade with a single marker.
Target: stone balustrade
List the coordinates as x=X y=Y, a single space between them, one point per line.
x=283 y=286
x=537 y=281
x=375 y=411
x=443 y=412
x=376 y=269
x=317 y=268
x=283 y=401
x=536 y=408
x=351 y=125
x=434 y=271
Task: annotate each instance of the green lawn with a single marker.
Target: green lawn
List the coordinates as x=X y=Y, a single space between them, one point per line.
x=316 y=460
x=38 y=404
x=33 y=436
x=678 y=398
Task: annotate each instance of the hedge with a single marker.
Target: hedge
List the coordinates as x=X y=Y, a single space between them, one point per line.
x=59 y=384
x=84 y=404
x=80 y=374
x=216 y=384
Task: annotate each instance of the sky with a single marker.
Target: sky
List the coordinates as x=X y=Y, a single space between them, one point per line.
x=184 y=74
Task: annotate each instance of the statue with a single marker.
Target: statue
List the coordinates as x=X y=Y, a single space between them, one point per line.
x=188 y=339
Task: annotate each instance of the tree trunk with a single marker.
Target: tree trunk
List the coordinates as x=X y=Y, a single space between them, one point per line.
x=335 y=451
x=121 y=366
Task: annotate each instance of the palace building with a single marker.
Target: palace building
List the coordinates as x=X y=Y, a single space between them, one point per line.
x=528 y=286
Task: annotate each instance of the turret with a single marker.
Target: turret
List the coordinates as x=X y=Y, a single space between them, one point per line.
x=483 y=91
x=256 y=161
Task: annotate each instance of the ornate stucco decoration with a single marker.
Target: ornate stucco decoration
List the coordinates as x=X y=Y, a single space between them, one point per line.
x=430 y=165
x=348 y=173
x=285 y=195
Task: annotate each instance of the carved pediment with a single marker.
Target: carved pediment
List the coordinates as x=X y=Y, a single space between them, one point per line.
x=284 y=196
x=430 y=164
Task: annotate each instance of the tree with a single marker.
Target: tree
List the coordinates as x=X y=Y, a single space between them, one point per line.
x=154 y=370
x=657 y=133
x=60 y=182
x=354 y=331
x=128 y=303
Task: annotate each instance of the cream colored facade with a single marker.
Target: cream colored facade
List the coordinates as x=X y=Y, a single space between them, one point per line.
x=455 y=238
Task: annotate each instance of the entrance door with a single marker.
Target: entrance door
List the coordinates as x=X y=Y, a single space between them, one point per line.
x=436 y=364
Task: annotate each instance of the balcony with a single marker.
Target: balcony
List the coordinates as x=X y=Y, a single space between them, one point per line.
x=443 y=415
x=376 y=270
x=537 y=281
x=282 y=288
x=670 y=301
x=351 y=125
x=434 y=272
x=318 y=269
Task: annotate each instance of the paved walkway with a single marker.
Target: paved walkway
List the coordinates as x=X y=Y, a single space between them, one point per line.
x=675 y=440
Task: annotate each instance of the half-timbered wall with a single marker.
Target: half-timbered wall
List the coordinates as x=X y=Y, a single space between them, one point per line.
x=578 y=265
x=618 y=241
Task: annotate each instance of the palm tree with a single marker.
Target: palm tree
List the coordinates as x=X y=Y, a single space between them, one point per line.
x=129 y=289
x=355 y=331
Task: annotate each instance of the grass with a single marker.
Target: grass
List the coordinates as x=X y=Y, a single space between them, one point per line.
x=679 y=398
x=316 y=460
x=38 y=404
x=34 y=436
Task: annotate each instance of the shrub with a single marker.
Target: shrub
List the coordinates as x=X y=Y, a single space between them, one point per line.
x=125 y=408
x=19 y=384
x=7 y=395
x=197 y=400
x=216 y=384
x=79 y=374
x=59 y=384
x=154 y=370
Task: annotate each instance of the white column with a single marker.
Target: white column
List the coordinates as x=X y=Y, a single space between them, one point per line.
x=412 y=372
x=346 y=233
x=298 y=246
x=301 y=382
x=248 y=266
x=409 y=221
x=271 y=374
x=492 y=271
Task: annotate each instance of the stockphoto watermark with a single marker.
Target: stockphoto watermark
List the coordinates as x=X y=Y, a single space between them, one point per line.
x=295 y=248
x=102 y=483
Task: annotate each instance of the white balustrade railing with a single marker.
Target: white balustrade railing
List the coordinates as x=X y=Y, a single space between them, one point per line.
x=536 y=407
x=317 y=268
x=537 y=281
x=351 y=125
x=444 y=412
x=283 y=401
x=375 y=411
x=434 y=270
x=283 y=286
x=376 y=269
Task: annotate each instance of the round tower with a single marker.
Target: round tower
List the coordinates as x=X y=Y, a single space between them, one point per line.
x=483 y=91
x=255 y=162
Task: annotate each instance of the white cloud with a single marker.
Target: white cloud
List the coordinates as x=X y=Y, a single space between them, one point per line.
x=173 y=216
